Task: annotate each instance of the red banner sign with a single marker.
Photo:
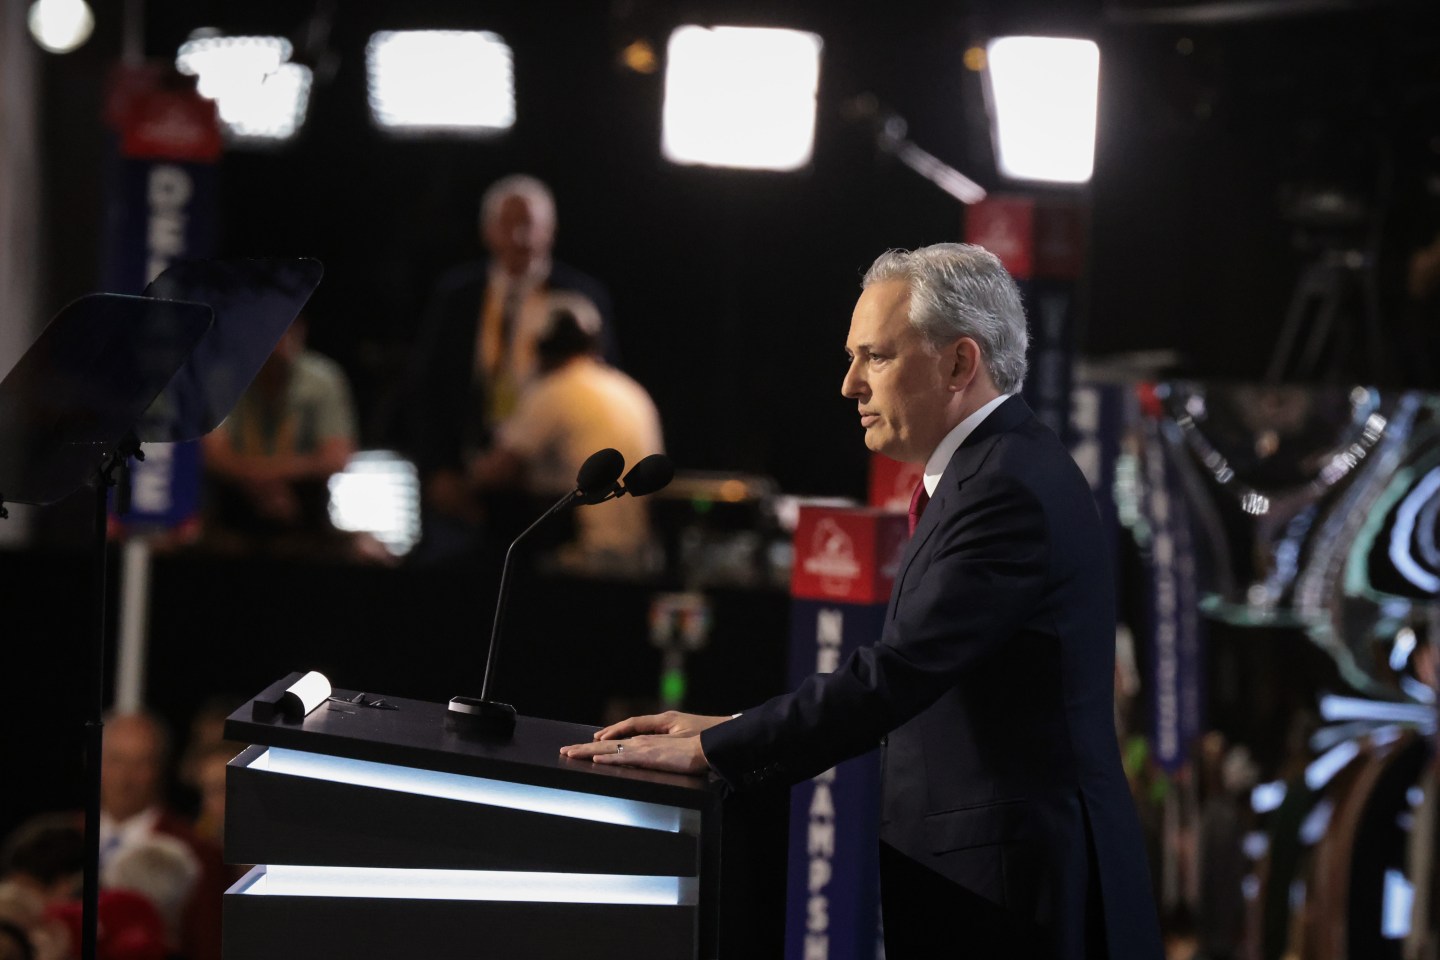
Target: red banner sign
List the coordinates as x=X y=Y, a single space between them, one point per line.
x=847 y=555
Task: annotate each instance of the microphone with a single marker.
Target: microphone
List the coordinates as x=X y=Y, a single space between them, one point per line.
x=649 y=475
x=595 y=481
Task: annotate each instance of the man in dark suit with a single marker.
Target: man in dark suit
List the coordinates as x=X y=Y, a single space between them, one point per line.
x=476 y=350
x=1007 y=829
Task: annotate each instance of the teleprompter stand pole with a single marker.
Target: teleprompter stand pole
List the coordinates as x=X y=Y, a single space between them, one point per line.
x=95 y=722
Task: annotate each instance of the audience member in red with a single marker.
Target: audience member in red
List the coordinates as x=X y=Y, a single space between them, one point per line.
x=128 y=927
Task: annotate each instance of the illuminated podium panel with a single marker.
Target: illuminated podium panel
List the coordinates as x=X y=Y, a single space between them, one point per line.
x=398 y=833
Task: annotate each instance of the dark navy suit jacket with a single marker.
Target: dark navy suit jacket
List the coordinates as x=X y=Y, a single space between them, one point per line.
x=440 y=385
x=991 y=690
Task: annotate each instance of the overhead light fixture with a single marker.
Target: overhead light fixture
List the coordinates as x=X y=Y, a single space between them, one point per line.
x=258 y=93
x=440 y=81
x=60 y=26
x=1043 y=93
x=740 y=97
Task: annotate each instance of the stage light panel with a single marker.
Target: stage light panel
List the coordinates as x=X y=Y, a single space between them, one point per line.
x=440 y=81
x=258 y=93
x=1043 y=93
x=378 y=493
x=740 y=97
x=272 y=109
x=221 y=64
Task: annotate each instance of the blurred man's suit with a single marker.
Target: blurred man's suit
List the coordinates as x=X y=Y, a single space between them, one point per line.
x=1007 y=827
x=442 y=419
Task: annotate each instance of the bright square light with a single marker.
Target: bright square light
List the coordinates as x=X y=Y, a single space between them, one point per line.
x=440 y=81
x=378 y=493
x=1043 y=94
x=271 y=109
x=258 y=93
x=741 y=97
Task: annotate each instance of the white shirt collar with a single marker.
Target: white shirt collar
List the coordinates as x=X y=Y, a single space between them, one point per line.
x=129 y=831
x=940 y=459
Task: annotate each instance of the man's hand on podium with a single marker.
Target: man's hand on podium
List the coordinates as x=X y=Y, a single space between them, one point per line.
x=667 y=741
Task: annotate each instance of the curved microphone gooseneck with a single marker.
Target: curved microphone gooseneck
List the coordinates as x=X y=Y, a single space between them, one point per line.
x=595 y=481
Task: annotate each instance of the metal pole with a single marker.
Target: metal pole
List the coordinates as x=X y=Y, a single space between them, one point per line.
x=130 y=657
x=94 y=734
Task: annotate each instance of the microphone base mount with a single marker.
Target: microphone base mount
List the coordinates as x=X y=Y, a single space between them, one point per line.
x=483 y=716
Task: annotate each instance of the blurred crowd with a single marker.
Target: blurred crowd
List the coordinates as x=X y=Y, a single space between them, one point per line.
x=162 y=871
x=513 y=382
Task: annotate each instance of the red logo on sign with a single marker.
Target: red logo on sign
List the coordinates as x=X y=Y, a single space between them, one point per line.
x=847 y=554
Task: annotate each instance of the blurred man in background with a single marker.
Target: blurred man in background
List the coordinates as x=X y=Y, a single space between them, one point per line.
x=476 y=351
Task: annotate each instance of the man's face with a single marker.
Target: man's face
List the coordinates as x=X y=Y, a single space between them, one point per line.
x=902 y=388
x=519 y=235
x=130 y=767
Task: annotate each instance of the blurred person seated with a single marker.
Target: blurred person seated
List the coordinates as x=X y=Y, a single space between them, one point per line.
x=164 y=871
x=578 y=405
x=476 y=351
x=46 y=857
x=134 y=757
x=269 y=464
x=40 y=868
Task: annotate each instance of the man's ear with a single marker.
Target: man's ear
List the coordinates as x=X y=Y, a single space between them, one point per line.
x=964 y=356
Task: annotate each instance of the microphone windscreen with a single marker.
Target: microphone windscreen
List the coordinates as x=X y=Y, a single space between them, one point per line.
x=599 y=472
x=650 y=474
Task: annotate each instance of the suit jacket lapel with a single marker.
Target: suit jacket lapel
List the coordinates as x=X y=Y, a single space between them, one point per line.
x=964 y=464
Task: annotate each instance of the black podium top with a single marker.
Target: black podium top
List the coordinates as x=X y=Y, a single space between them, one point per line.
x=424 y=735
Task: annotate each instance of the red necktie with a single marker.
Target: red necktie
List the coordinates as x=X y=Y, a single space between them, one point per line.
x=917 y=504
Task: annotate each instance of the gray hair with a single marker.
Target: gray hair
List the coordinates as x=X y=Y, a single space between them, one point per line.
x=961 y=290
x=542 y=201
x=160 y=868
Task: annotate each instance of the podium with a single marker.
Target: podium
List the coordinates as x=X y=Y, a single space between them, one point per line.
x=400 y=833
